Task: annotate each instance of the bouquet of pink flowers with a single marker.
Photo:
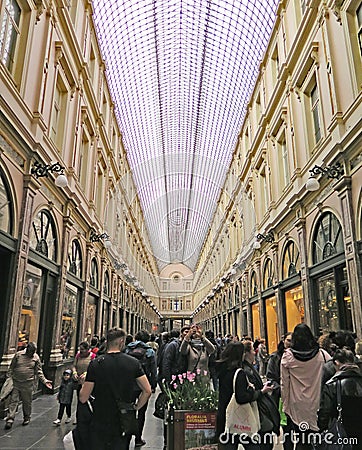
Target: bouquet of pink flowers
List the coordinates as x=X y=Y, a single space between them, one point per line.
x=191 y=391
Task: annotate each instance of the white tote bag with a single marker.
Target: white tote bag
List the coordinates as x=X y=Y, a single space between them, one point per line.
x=7 y=389
x=241 y=419
x=68 y=441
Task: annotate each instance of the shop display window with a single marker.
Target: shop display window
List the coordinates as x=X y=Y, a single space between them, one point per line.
x=30 y=311
x=105 y=318
x=294 y=306
x=69 y=321
x=255 y=313
x=90 y=316
x=272 y=324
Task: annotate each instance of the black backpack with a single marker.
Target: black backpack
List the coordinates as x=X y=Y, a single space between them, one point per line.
x=139 y=352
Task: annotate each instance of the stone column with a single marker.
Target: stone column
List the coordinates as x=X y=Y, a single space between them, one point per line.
x=304 y=272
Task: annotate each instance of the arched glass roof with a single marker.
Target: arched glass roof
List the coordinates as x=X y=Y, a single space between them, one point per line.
x=181 y=73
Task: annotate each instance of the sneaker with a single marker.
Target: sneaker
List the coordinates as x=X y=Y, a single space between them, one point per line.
x=68 y=420
x=8 y=425
x=57 y=422
x=26 y=422
x=140 y=443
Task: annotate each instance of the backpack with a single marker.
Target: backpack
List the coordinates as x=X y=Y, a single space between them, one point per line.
x=139 y=352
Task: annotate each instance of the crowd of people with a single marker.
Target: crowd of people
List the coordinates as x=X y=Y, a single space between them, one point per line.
x=294 y=388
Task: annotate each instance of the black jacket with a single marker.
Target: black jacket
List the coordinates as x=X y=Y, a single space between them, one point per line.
x=351 y=384
x=273 y=374
x=173 y=362
x=66 y=390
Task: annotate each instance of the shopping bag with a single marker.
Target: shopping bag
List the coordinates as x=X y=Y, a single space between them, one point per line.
x=283 y=417
x=68 y=441
x=241 y=418
x=6 y=389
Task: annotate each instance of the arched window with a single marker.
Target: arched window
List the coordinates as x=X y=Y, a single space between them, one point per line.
x=230 y=298
x=94 y=278
x=75 y=259
x=237 y=294
x=6 y=210
x=106 y=284
x=253 y=284
x=327 y=239
x=43 y=235
x=268 y=274
x=291 y=260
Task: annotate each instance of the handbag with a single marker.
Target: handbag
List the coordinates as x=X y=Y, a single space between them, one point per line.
x=6 y=389
x=336 y=438
x=269 y=414
x=160 y=406
x=241 y=418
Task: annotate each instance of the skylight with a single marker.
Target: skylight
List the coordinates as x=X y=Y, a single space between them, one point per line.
x=181 y=73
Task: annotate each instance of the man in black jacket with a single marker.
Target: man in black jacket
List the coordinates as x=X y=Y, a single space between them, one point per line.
x=173 y=362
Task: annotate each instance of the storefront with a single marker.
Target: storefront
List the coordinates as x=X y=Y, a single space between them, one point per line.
x=332 y=301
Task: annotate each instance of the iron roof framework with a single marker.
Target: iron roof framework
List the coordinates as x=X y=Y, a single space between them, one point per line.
x=181 y=73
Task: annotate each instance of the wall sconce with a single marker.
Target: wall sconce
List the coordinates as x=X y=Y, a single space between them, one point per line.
x=42 y=170
x=332 y=172
x=269 y=237
x=94 y=237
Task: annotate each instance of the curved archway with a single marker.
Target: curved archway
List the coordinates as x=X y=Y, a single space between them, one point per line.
x=327 y=238
x=43 y=236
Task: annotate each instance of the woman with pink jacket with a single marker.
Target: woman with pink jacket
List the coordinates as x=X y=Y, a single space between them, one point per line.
x=301 y=374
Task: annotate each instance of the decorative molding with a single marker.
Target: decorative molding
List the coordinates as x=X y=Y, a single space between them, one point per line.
x=9 y=151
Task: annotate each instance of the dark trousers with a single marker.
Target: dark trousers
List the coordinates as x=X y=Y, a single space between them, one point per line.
x=109 y=441
x=141 y=417
x=62 y=407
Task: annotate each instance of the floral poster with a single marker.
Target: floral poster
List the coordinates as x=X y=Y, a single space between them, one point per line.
x=200 y=431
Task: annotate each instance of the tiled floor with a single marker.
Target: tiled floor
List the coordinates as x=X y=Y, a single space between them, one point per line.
x=42 y=434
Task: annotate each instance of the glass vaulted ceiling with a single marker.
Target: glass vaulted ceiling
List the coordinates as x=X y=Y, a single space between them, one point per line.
x=181 y=73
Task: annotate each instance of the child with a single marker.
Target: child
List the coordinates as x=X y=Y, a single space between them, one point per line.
x=65 y=397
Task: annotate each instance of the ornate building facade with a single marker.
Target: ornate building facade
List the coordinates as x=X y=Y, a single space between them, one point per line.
x=74 y=259
x=287 y=236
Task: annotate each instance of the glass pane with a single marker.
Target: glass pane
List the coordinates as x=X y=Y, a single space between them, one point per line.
x=272 y=324
x=105 y=318
x=181 y=75
x=5 y=211
x=42 y=235
x=69 y=320
x=294 y=306
x=91 y=316
x=328 y=239
x=256 y=320
x=327 y=304
x=30 y=312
